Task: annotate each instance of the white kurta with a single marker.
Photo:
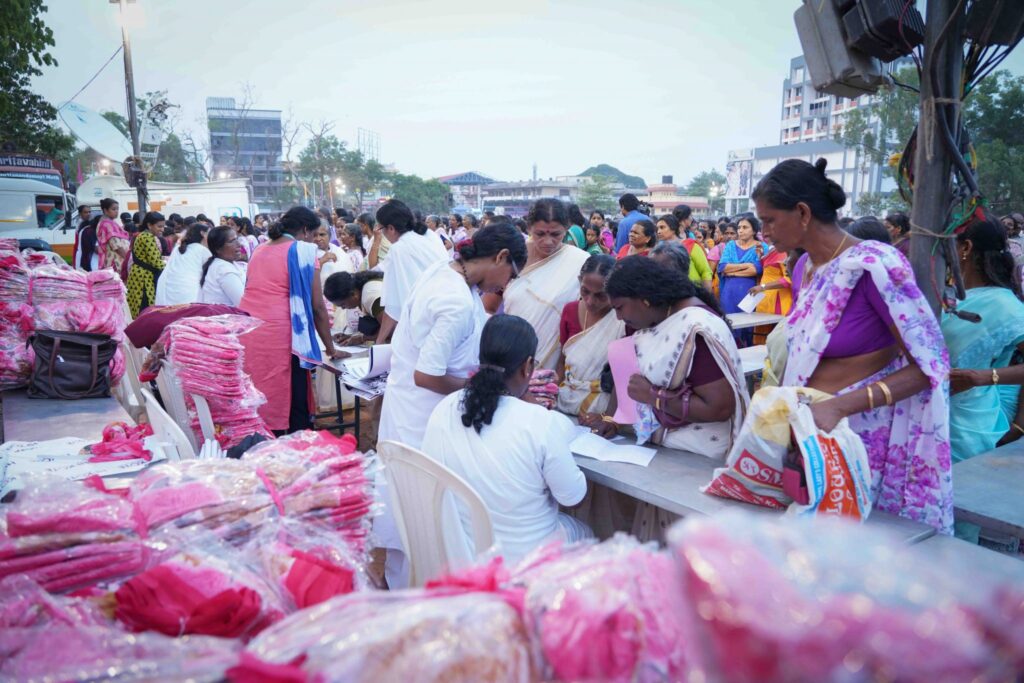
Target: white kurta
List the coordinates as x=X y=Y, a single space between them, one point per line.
x=522 y=474
x=540 y=293
x=179 y=281
x=225 y=283
x=408 y=258
x=439 y=334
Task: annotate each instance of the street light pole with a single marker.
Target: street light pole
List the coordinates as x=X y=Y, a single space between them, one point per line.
x=133 y=119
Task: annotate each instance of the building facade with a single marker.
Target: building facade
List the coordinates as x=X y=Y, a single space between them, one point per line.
x=246 y=143
x=811 y=125
x=466 y=190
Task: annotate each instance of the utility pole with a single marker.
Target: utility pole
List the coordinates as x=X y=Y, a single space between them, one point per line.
x=133 y=118
x=932 y=162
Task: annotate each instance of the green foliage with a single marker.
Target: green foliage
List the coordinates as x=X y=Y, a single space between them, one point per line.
x=323 y=158
x=597 y=194
x=993 y=115
x=28 y=119
x=631 y=182
x=701 y=186
x=428 y=196
x=880 y=203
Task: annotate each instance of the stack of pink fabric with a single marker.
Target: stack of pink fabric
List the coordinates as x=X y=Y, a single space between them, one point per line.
x=69 y=300
x=15 y=321
x=48 y=638
x=604 y=612
x=824 y=599
x=208 y=360
x=70 y=535
x=8 y=244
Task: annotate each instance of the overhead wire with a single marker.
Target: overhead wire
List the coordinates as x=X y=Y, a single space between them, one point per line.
x=94 y=77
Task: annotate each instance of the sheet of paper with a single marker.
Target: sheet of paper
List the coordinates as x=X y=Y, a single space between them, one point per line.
x=748 y=303
x=61 y=458
x=622 y=359
x=593 y=446
x=377 y=363
x=352 y=350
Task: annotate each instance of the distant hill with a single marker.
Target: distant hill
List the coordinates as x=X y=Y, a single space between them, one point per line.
x=631 y=182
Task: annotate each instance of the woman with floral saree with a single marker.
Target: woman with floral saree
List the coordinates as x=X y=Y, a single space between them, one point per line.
x=862 y=331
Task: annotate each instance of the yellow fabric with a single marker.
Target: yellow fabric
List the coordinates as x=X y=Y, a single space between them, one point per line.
x=141 y=281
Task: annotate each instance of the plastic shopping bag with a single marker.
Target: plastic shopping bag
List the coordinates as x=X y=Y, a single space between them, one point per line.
x=780 y=424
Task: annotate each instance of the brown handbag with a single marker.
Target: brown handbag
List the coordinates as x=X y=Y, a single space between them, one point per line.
x=71 y=365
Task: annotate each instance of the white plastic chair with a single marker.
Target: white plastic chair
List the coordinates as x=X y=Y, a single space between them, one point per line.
x=173 y=440
x=174 y=401
x=130 y=389
x=418 y=486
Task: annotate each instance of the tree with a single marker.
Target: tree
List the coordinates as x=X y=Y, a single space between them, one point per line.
x=597 y=194
x=28 y=119
x=428 y=196
x=323 y=159
x=993 y=116
x=880 y=203
x=701 y=186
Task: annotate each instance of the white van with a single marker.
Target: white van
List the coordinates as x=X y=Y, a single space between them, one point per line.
x=37 y=214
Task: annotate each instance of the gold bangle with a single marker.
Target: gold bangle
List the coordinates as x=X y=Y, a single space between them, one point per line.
x=871 y=397
x=885 y=390
x=609 y=420
x=1018 y=427
x=995 y=376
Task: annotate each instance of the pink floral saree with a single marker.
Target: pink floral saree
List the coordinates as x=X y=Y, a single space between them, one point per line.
x=908 y=443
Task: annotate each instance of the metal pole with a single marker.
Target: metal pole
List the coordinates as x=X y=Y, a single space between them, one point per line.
x=133 y=119
x=932 y=179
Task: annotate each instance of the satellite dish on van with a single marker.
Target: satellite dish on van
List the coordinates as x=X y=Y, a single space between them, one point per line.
x=95 y=131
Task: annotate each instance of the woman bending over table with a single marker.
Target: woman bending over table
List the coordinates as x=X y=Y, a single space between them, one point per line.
x=522 y=475
x=861 y=329
x=588 y=325
x=690 y=371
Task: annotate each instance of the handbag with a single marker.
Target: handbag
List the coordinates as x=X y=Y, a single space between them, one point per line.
x=71 y=365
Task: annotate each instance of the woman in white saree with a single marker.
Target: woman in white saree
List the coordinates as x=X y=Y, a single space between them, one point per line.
x=522 y=475
x=586 y=328
x=690 y=392
x=549 y=280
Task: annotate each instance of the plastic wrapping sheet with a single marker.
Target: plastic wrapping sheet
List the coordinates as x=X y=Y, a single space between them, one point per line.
x=409 y=635
x=306 y=563
x=826 y=600
x=16 y=357
x=604 y=612
x=206 y=589
x=209 y=361
x=24 y=604
x=66 y=653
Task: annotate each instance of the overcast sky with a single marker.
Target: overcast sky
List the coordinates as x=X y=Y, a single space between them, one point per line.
x=653 y=87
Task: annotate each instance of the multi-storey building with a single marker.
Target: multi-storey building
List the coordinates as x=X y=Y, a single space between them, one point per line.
x=246 y=143
x=811 y=125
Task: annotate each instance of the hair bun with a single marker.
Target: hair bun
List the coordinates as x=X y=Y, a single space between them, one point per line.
x=821 y=164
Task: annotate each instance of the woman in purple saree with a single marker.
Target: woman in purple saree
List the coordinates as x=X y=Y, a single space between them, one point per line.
x=861 y=330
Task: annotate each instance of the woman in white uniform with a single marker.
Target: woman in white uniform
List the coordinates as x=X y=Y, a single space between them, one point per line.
x=515 y=454
x=222 y=281
x=436 y=346
x=179 y=283
x=413 y=250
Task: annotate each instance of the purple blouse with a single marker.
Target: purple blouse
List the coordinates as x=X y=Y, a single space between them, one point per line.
x=865 y=324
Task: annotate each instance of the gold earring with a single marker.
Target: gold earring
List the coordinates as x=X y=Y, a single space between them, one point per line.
x=647 y=303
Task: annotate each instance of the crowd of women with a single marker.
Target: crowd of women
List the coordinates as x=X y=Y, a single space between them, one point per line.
x=500 y=324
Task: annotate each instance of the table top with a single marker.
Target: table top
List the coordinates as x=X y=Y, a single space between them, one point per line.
x=942 y=550
x=28 y=419
x=987 y=489
x=673 y=481
x=740 y=321
x=753 y=358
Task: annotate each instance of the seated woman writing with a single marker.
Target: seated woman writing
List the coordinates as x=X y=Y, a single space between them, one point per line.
x=588 y=325
x=521 y=474
x=690 y=371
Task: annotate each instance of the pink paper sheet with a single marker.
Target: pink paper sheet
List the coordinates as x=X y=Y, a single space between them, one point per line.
x=624 y=364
